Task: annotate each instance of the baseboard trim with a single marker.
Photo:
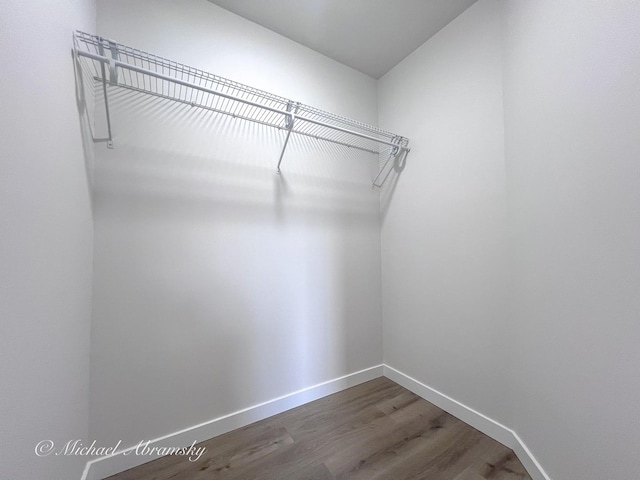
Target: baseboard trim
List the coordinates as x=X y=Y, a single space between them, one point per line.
x=122 y=460
x=528 y=460
x=486 y=425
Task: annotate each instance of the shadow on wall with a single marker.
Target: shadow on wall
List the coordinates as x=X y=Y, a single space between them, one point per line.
x=219 y=284
x=176 y=152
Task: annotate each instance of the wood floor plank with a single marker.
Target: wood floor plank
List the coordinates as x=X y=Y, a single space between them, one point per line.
x=469 y=474
x=375 y=431
x=501 y=464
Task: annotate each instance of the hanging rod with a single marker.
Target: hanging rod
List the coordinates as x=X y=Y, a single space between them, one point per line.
x=134 y=69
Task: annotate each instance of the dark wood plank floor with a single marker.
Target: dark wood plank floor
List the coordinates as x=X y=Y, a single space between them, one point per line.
x=375 y=431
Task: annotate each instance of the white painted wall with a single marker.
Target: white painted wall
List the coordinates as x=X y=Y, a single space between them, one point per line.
x=219 y=285
x=548 y=345
x=444 y=232
x=45 y=239
x=572 y=116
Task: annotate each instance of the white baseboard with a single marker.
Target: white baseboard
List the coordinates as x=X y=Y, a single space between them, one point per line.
x=124 y=459
x=528 y=460
x=481 y=422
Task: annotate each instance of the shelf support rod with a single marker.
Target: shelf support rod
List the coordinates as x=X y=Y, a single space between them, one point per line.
x=394 y=153
x=289 y=120
x=391 y=155
x=106 y=96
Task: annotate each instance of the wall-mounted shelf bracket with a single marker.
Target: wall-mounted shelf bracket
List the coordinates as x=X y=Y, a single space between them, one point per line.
x=398 y=150
x=113 y=80
x=289 y=120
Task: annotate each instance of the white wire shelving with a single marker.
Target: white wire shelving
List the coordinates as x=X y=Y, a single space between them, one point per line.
x=116 y=65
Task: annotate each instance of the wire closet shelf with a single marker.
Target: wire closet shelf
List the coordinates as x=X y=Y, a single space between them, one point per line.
x=116 y=65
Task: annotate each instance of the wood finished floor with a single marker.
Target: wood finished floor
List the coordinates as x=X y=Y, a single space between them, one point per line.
x=374 y=431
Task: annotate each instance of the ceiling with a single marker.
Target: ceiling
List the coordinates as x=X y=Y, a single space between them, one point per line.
x=371 y=36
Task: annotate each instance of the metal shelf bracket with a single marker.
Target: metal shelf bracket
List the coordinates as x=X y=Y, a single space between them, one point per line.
x=289 y=121
x=113 y=80
x=396 y=151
